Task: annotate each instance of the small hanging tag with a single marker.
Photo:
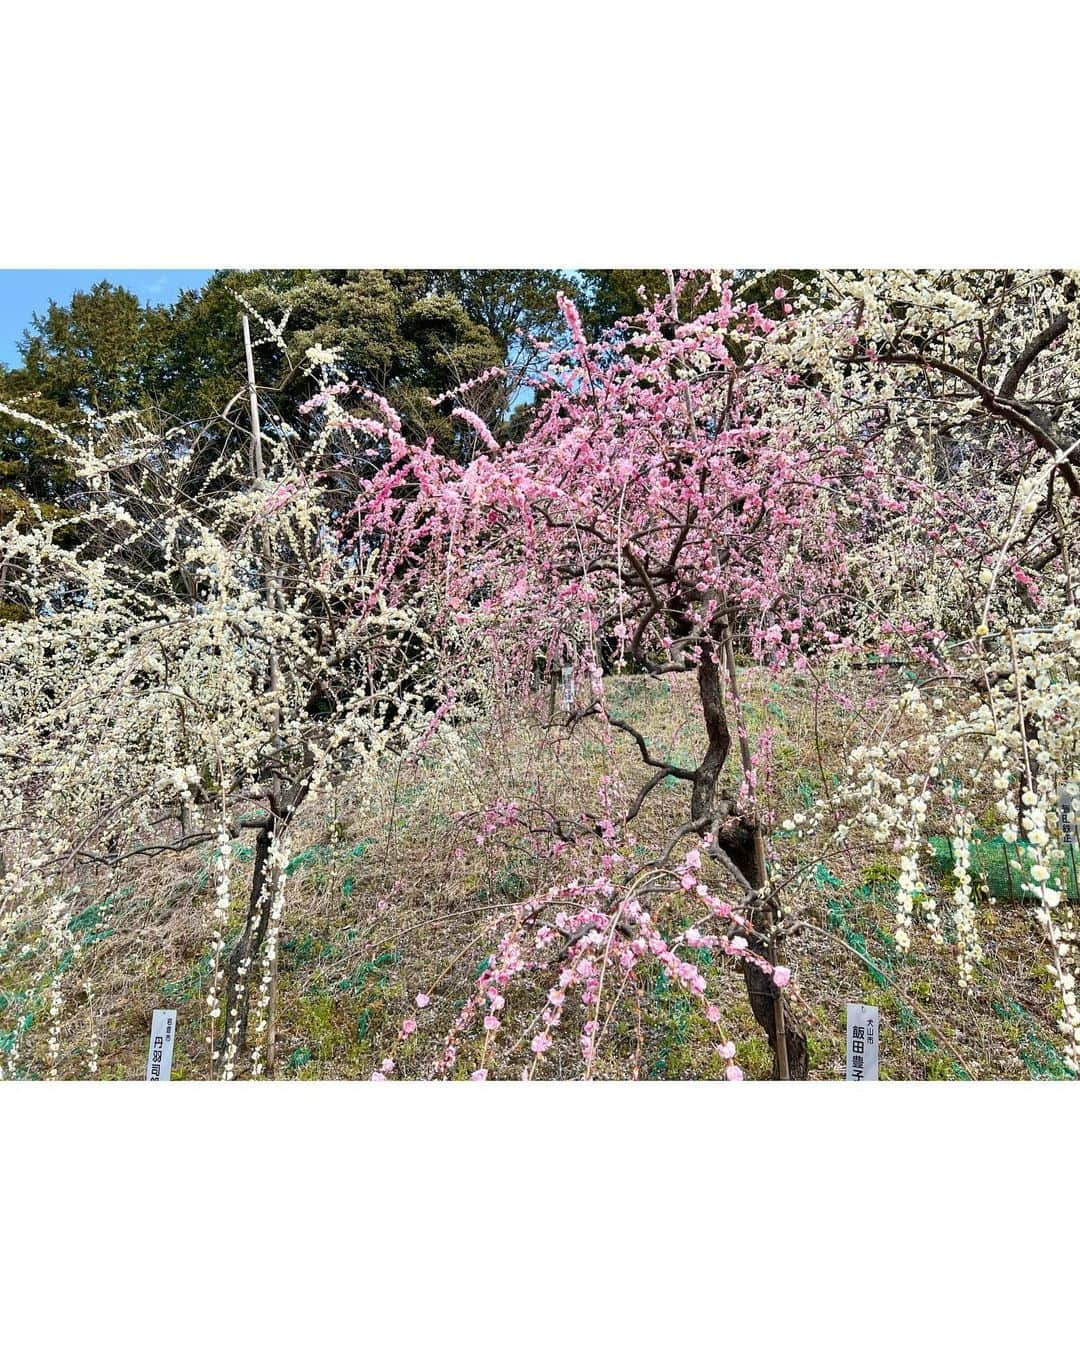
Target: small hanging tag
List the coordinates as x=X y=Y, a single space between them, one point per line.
x=567 y=688
x=162 y=1039
x=862 y=1043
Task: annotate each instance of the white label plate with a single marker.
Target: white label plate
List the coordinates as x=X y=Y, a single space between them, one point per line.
x=863 y=1037
x=162 y=1039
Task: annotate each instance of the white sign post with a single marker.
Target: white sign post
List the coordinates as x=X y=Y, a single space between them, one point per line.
x=1066 y=796
x=162 y=1039
x=567 y=688
x=863 y=1035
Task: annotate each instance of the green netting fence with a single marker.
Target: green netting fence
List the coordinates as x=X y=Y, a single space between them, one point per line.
x=1001 y=867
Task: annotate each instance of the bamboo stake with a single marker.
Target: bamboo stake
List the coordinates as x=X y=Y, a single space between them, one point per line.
x=258 y=473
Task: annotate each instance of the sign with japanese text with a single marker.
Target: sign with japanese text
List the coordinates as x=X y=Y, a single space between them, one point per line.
x=863 y=1033
x=162 y=1038
x=567 y=688
x=1066 y=796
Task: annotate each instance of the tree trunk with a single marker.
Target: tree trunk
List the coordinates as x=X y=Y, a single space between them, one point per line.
x=740 y=839
x=242 y=959
x=711 y=691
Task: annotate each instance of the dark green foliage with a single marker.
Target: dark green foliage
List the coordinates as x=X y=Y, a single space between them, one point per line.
x=410 y=335
x=507 y=300
x=613 y=293
x=102 y=353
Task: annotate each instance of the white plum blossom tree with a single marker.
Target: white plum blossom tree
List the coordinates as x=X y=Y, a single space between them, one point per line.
x=205 y=660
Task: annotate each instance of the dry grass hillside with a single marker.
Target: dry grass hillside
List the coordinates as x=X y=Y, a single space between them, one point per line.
x=390 y=894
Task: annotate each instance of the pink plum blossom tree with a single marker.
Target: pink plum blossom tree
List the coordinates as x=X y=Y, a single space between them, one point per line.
x=683 y=494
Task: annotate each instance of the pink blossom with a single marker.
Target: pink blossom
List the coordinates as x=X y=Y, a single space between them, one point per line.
x=781 y=975
x=478 y=425
x=422 y=1000
x=733 y=1073
x=541 y=1043
x=408 y=1026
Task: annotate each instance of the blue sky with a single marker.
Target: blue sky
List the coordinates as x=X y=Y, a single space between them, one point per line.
x=24 y=292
